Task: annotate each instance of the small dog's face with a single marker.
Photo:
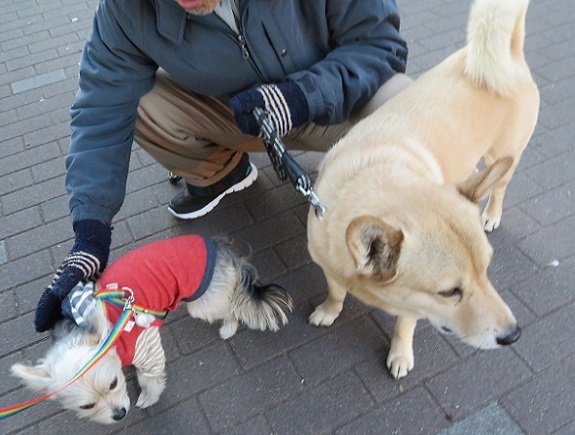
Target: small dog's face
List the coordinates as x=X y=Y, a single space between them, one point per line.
x=100 y=394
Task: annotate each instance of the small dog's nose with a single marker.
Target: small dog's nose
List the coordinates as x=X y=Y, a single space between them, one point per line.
x=512 y=337
x=119 y=414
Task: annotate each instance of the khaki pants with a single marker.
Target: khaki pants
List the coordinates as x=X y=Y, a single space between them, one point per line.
x=196 y=137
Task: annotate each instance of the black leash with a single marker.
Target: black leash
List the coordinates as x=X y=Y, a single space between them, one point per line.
x=284 y=164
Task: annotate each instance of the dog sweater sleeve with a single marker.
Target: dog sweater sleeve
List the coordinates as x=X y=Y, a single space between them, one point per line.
x=149 y=357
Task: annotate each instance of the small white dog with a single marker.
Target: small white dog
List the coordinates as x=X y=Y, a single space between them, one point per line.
x=215 y=284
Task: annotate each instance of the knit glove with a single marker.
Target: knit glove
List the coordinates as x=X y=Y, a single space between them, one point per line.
x=284 y=102
x=86 y=260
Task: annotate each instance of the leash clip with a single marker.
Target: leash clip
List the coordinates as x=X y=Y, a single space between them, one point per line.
x=129 y=300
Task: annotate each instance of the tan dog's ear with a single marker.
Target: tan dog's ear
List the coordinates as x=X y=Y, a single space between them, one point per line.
x=35 y=377
x=478 y=185
x=375 y=247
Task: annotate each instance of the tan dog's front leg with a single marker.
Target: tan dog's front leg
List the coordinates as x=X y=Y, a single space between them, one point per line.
x=400 y=358
x=326 y=313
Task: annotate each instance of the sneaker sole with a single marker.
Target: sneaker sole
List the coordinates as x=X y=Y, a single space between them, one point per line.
x=246 y=182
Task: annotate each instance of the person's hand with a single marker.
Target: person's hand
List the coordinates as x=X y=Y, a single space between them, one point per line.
x=86 y=260
x=285 y=103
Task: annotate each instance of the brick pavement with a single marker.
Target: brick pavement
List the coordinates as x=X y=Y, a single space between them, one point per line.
x=302 y=379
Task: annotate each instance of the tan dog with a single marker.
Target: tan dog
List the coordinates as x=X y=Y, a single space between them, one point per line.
x=402 y=231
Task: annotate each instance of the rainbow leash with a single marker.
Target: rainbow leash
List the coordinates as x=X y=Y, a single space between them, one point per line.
x=105 y=347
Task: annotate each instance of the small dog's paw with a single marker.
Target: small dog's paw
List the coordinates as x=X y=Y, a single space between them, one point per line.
x=147 y=399
x=323 y=316
x=400 y=365
x=229 y=328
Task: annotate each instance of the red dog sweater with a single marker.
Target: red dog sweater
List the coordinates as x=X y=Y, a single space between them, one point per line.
x=161 y=274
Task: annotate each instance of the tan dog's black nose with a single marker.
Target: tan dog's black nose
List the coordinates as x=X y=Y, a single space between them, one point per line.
x=512 y=337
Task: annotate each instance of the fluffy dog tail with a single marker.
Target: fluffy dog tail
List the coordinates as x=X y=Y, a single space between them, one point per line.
x=260 y=307
x=494 y=53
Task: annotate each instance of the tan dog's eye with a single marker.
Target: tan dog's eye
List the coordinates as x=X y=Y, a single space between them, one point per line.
x=456 y=291
x=88 y=406
x=114 y=384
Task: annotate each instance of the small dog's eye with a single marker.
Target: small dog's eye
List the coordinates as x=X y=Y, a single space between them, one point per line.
x=114 y=384
x=88 y=406
x=456 y=291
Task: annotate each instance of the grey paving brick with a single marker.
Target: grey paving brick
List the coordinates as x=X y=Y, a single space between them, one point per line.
x=17 y=334
x=490 y=420
x=15 y=101
x=3 y=254
x=9 y=382
x=38 y=81
x=331 y=404
x=195 y=373
x=246 y=395
x=550 y=289
x=283 y=226
x=545 y=403
x=548 y=340
x=54 y=208
x=39 y=238
x=30 y=157
x=469 y=386
x=305 y=282
x=49 y=134
x=515 y=225
x=294 y=252
x=187 y=416
x=7 y=302
x=284 y=198
x=17 y=272
x=508 y=267
x=194 y=334
x=410 y=413
x=553 y=205
x=31 y=59
x=558 y=140
x=253 y=348
x=555 y=242
x=15 y=181
x=27 y=294
x=520 y=189
x=267 y=264
x=255 y=426
x=338 y=350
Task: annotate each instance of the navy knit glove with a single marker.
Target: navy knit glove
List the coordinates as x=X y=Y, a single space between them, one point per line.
x=86 y=260
x=284 y=102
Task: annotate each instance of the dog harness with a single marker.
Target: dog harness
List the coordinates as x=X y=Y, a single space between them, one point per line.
x=160 y=275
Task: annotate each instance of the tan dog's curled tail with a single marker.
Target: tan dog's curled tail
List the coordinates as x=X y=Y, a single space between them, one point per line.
x=494 y=52
x=263 y=307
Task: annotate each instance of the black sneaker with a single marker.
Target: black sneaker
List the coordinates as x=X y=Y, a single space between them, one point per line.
x=193 y=202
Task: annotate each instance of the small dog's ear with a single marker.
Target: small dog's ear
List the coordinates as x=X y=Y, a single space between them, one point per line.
x=35 y=377
x=375 y=246
x=480 y=184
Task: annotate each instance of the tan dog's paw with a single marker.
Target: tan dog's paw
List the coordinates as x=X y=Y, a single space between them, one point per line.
x=490 y=223
x=324 y=316
x=399 y=365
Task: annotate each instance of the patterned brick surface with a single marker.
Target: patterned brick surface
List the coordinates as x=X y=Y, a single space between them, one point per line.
x=302 y=379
